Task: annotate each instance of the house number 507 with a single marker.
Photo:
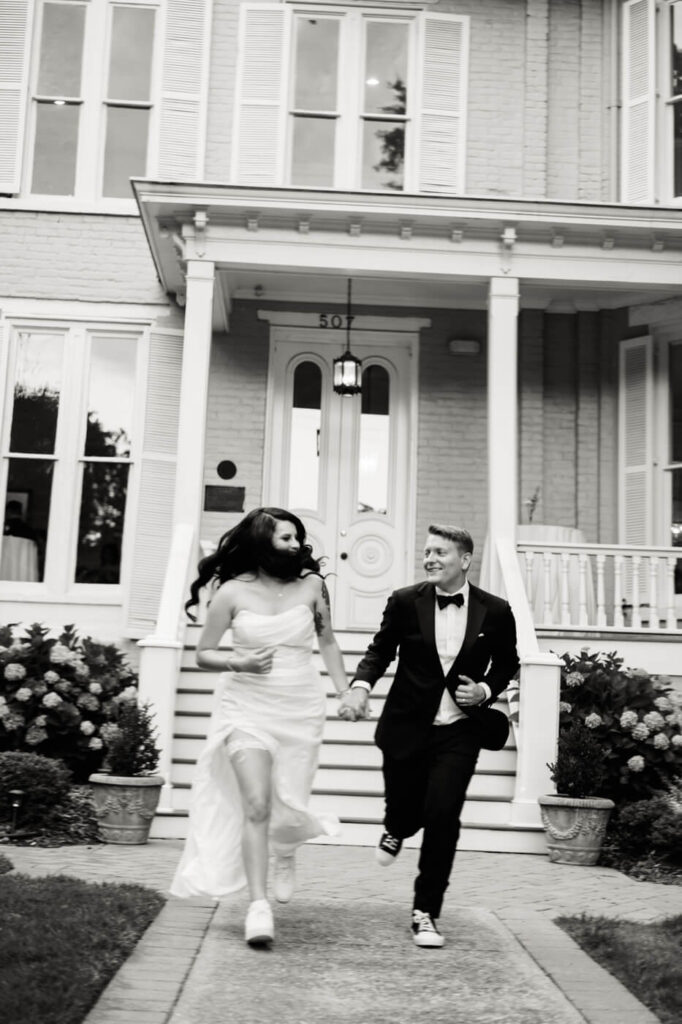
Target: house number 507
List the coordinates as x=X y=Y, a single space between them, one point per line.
x=336 y=320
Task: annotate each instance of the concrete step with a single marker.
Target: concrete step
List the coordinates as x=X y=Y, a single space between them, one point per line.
x=488 y=839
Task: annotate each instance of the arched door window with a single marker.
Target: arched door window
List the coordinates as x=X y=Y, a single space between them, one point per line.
x=304 y=441
x=375 y=441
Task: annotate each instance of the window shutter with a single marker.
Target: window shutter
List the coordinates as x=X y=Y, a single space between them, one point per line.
x=441 y=122
x=639 y=95
x=14 y=65
x=258 y=150
x=154 y=512
x=636 y=441
x=182 y=122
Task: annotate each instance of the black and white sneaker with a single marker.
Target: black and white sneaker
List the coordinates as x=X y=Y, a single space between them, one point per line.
x=424 y=931
x=388 y=849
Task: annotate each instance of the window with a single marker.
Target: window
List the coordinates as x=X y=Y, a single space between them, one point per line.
x=91 y=97
x=351 y=98
x=68 y=452
x=674 y=97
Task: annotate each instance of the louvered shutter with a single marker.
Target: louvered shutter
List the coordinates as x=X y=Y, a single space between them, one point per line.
x=154 y=512
x=639 y=97
x=15 y=24
x=636 y=441
x=258 y=150
x=441 y=121
x=182 y=122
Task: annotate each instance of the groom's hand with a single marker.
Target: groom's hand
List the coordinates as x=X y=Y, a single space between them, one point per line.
x=354 y=704
x=468 y=694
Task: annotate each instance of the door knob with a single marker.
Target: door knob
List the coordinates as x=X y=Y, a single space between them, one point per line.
x=343 y=556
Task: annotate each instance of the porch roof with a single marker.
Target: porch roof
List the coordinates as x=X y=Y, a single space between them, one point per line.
x=294 y=243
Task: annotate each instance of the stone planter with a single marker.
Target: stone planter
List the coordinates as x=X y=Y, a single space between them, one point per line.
x=125 y=806
x=575 y=827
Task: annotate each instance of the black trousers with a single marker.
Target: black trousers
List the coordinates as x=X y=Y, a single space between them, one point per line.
x=427 y=790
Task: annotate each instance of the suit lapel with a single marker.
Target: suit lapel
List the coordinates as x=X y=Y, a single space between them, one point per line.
x=425 y=605
x=475 y=616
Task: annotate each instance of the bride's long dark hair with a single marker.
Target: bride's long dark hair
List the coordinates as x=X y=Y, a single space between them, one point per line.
x=247 y=547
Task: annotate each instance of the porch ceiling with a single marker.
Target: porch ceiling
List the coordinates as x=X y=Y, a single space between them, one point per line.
x=405 y=250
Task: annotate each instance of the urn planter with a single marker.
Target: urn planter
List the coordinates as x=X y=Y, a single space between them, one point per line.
x=125 y=806
x=575 y=827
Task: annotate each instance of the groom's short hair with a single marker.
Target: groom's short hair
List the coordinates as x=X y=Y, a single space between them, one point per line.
x=462 y=538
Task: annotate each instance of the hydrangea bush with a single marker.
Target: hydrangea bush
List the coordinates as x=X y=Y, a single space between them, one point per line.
x=61 y=697
x=636 y=718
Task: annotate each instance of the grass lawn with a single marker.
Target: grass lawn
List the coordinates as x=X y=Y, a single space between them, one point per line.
x=644 y=957
x=62 y=940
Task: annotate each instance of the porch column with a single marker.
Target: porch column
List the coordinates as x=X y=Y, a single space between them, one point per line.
x=196 y=355
x=503 y=309
x=161 y=653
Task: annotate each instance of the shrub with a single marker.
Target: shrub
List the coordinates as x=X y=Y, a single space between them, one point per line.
x=578 y=770
x=132 y=743
x=57 y=696
x=74 y=820
x=44 y=782
x=651 y=827
x=636 y=719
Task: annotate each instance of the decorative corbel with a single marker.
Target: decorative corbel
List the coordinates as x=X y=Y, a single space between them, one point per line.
x=508 y=239
x=557 y=240
x=608 y=242
x=304 y=225
x=200 y=225
x=657 y=244
x=457 y=233
x=355 y=228
x=252 y=221
x=406 y=231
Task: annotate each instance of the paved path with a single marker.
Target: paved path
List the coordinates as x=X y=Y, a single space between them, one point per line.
x=344 y=938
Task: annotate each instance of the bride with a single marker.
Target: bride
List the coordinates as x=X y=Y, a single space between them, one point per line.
x=253 y=778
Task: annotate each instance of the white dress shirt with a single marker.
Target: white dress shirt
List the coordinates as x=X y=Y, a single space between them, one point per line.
x=451 y=624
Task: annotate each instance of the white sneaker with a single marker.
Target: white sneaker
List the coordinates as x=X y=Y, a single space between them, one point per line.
x=424 y=931
x=259 y=928
x=284 y=878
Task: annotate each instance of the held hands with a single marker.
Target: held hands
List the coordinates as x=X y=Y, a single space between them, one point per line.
x=468 y=694
x=354 y=704
x=259 y=660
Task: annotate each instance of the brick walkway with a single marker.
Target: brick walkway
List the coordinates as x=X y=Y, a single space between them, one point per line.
x=177 y=974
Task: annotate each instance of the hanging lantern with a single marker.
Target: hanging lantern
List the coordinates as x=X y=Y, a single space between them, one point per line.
x=347 y=367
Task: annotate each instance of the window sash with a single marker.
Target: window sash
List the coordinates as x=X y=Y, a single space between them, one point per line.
x=94 y=100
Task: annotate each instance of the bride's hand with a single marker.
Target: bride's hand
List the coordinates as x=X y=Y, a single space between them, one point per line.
x=259 y=660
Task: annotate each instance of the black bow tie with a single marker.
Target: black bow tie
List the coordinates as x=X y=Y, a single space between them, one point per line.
x=445 y=599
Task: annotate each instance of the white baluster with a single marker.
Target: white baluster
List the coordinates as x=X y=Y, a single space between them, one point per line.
x=565 y=603
x=653 y=592
x=529 y=559
x=547 y=615
x=636 y=616
x=601 y=600
x=618 y=591
x=582 y=588
x=671 y=616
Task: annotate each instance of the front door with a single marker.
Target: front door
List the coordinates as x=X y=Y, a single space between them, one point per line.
x=345 y=464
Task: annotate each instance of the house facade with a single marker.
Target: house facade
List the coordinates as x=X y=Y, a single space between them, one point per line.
x=205 y=203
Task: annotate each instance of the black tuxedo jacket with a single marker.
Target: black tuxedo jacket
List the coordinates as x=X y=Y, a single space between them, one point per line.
x=488 y=654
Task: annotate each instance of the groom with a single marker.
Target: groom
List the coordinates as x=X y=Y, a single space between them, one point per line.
x=457 y=652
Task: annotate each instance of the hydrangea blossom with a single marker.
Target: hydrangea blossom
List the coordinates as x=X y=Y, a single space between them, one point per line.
x=677 y=740
x=628 y=720
x=130 y=693
x=593 y=721
x=654 y=720
x=661 y=741
x=60 y=654
x=640 y=732
x=23 y=693
x=51 y=677
x=574 y=679
x=663 y=703
x=95 y=688
x=95 y=743
x=87 y=728
x=51 y=700
x=14 y=672
x=81 y=671
x=636 y=763
x=565 y=707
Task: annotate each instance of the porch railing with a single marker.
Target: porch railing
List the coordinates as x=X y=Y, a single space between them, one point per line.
x=161 y=652
x=601 y=586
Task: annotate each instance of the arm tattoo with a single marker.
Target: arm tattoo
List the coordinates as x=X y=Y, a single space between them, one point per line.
x=319 y=623
x=325 y=595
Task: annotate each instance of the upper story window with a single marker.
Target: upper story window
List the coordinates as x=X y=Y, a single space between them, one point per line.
x=351 y=98
x=91 y=98
x=651 y=161
x=94 y=92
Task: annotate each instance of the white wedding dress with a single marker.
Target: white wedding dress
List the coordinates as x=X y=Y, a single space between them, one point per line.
x=284 y=710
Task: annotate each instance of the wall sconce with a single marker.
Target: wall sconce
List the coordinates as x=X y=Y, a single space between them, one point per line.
x=464 y=347
x=347 y=367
